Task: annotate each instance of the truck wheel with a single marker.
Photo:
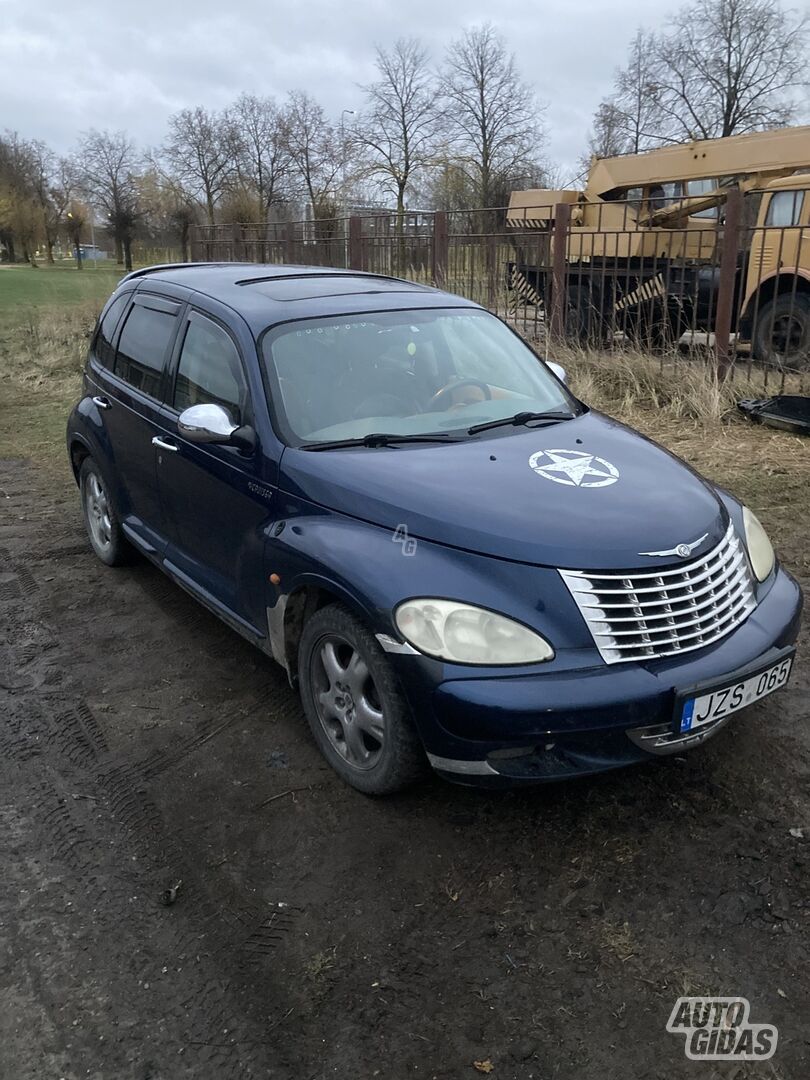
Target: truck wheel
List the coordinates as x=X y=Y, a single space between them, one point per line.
x=100 y=518
x=782 y=332
x=583 y=319
x=357 y=713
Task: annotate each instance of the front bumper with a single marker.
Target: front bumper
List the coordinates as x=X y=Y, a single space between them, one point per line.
x=559 y=724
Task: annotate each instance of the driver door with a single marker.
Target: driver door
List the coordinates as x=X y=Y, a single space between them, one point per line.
x=214 y=497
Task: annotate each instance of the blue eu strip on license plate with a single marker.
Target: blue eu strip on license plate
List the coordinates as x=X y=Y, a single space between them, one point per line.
x=688 y=713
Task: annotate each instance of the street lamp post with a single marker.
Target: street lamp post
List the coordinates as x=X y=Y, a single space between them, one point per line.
x=75 y=230
x=346 y=254
x=345 y=112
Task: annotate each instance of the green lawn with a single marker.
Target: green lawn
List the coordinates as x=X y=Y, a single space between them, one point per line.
x=23 y=288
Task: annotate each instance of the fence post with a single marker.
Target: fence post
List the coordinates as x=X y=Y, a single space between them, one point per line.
x=728 y=279
x=237 y=254
x=562 y=218
x=440 y=248
x=194 y=243
x=289 y=242
x=355 y=242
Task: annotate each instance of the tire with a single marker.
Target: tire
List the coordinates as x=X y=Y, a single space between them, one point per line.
x=355 y=708
x=782 y=332
x=584 y=322
x=100 y=517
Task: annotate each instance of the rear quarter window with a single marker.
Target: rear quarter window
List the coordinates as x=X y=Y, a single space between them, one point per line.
x=142 y=348
x=103 y=342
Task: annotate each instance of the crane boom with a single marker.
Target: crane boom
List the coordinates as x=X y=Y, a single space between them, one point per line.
x=762 y=153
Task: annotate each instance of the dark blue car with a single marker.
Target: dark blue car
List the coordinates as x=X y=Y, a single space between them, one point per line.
x=456 y=561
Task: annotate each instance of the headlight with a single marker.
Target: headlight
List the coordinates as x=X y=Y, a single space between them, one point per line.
x=760 y=550
x=468 y=635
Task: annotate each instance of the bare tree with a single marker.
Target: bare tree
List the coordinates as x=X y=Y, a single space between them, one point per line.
x=263 y=163
x=319 y=153
x=493 y=115
x=632 y=118
x=20 y=212
x=61 y=195
x=44 y=166
x=76 y=217
x=400 y=127
x=608 y=136
x=168 y=211
x=201 y=152
x=729 y=67
x=107 y=165
x=638 y=97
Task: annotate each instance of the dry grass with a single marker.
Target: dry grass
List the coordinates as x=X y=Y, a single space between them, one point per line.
x=626 y=382
x=42 y=352
x=46 y=349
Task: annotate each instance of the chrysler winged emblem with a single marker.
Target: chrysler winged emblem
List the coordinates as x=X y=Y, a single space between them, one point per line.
x=684 y=550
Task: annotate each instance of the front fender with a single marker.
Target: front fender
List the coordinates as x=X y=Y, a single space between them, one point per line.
x=372 y=569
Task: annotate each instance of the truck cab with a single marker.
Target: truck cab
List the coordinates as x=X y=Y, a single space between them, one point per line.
x=776 y=299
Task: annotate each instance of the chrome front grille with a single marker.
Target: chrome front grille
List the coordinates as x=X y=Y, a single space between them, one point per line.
x=639 y=615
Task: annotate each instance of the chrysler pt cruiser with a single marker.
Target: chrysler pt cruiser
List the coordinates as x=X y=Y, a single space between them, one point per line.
x=458 y=563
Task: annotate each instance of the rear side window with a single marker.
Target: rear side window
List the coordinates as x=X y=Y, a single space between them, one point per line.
x=103 y=347
x=142 y=348
x=210 y=371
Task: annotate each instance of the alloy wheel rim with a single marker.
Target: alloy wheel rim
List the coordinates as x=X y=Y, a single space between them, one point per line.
x=347 y=703
x=97 y=508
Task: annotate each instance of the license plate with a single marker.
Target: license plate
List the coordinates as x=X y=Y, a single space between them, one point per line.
x=713 y=705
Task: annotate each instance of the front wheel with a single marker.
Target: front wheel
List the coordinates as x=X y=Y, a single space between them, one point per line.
x=782 y=332
x=355 y=708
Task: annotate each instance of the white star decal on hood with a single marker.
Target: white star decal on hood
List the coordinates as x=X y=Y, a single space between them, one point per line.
x=574 y=468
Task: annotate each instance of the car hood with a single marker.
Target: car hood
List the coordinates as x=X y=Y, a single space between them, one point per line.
x=587 y=493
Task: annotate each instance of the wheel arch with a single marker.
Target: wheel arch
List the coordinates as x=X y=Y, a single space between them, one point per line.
x=78 y=451
x=292 y=611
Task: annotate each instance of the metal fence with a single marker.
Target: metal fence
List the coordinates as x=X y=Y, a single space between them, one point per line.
x=718 y=287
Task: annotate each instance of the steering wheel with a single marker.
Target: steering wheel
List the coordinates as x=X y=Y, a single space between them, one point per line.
x=437 y=402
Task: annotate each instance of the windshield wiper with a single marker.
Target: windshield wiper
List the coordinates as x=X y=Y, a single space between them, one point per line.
x=380 y=439
x=520 y=418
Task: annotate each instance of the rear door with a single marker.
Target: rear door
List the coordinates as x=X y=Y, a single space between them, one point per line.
x=133 y=390
x=216 y=499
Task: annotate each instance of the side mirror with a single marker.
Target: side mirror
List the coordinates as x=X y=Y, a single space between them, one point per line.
x=206 y=424
x=559 y=371
x=213 y=424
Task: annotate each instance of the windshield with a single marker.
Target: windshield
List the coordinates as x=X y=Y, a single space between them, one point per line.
x=403 y=373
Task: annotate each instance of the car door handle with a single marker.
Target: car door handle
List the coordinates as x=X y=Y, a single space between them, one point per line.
x=102 y=403
x=164 y=445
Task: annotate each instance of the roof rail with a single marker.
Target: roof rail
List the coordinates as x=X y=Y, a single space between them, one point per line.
x=144 y=270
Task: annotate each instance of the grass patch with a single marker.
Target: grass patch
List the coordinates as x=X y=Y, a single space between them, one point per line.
x=46 y=319
x=24 y=289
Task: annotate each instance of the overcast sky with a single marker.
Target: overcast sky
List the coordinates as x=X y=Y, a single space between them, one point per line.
x=68 y=65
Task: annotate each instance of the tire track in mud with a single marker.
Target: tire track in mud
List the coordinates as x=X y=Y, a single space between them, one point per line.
x=91 y=814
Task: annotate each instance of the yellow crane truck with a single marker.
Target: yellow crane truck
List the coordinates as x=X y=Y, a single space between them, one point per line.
x=645 y=235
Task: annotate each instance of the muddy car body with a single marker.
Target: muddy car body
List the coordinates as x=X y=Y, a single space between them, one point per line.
x=457 y=562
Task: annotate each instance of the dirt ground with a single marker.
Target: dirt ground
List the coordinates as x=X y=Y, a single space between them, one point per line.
x=319 y=934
